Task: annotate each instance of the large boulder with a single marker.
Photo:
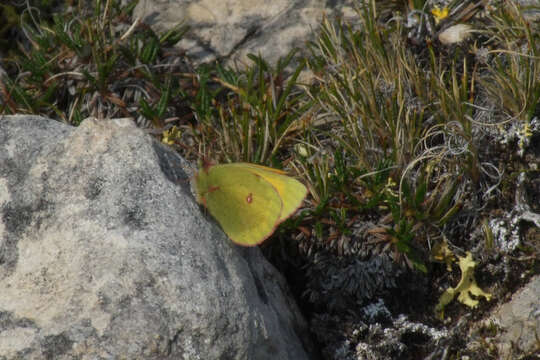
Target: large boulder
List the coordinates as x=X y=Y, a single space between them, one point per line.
x=519 y=322
x=105 y=254
x=230 y=29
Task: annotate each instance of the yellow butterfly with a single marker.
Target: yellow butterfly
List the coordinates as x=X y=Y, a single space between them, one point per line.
x=249 y=201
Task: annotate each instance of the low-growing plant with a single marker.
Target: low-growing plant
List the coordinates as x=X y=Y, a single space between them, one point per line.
x=257 y=115
x=93 y=63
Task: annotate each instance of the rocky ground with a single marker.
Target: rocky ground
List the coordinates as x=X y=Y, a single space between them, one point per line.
x=360 y=296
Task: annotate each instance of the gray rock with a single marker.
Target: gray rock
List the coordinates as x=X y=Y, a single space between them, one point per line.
x=104 y=254
x=519 y=320
x=230 y=29
x=530 y=9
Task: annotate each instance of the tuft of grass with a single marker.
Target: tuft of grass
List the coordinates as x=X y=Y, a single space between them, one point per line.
x=384 y=108
x=250 y=115
x=399 y=129
x=93 y=62
x=513 y=72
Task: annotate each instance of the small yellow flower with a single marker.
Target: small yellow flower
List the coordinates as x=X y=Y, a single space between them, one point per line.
x=526 y=131
x=524 y=135
x=390 y=186
x=439 y=13
x=169 y=136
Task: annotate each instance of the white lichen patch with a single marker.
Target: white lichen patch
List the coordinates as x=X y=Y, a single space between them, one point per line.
x=502 y=236
x=523 y=131
x=376 y=310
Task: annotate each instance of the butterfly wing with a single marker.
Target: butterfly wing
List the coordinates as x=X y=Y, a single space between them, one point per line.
x=291 y=191
x=246 y=205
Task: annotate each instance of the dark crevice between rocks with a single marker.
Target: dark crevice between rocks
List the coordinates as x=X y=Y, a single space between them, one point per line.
x=251 y=32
